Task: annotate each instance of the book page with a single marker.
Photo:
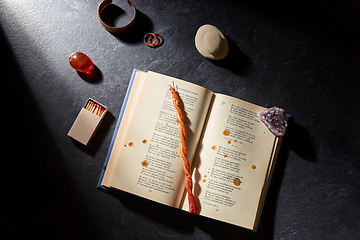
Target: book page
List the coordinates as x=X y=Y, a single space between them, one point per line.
x=233 y=162
x=147 y=161
x=132 y=100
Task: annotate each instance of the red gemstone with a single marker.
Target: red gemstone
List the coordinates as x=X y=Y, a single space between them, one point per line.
x=80 y=62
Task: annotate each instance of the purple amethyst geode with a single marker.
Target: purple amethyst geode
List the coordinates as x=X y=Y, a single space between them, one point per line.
x=275 y=120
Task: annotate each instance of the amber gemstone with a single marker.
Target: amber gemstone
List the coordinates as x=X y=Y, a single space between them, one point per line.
x=81 y=62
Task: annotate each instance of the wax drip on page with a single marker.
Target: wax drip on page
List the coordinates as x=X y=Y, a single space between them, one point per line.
x=183 y=148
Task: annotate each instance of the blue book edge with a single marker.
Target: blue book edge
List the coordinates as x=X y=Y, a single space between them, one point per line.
x=126 y=98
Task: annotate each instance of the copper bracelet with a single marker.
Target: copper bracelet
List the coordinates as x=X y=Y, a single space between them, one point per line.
x=115 y=30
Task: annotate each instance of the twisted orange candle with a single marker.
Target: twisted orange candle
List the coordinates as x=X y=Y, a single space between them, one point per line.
x=183 y=149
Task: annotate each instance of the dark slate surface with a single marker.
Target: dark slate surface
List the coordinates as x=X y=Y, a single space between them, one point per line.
x=302 y=56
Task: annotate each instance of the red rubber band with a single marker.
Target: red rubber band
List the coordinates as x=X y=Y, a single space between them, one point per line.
x=148 y=39
x=152 y=35
x=160 y=37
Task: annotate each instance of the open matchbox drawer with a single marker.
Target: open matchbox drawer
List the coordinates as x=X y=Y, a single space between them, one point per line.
x=87 y=122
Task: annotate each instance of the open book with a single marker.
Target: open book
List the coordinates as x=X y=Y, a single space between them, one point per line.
x=231 y=152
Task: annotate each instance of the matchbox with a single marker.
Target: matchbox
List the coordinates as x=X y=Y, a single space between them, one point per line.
x=87 y=121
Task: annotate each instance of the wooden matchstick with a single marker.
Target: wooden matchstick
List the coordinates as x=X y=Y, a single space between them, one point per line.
x=97 y=109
